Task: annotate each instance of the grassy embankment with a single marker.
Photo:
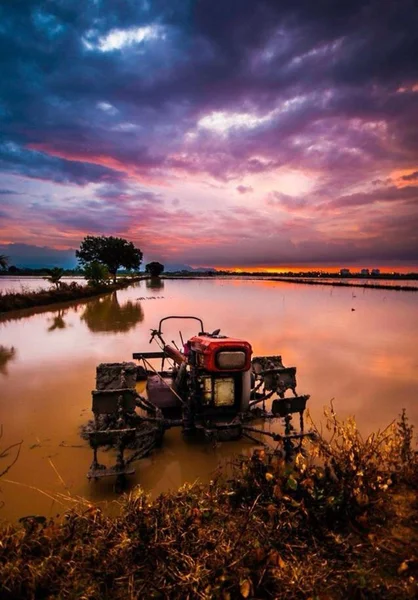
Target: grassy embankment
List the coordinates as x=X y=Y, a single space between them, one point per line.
x=339 y=524
x=18 y=300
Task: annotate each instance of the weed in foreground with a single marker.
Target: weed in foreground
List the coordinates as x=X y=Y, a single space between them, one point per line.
x=340 y=523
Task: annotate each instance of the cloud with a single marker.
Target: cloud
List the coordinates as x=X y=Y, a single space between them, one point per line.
x=411 y=177
x=32 y=256
x=244 y=189
x=392 y=194
x=291 y=203
x=116 y=39
x=5 y=192
x=111 y=112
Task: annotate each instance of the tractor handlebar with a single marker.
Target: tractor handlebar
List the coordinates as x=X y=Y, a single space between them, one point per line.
x=202 y=329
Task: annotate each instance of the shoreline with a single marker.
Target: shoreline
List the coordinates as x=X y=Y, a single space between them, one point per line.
x=16 y=302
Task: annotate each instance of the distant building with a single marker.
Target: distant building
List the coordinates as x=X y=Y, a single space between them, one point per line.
x=344 y=272
x=375 y=271
x=365 y=272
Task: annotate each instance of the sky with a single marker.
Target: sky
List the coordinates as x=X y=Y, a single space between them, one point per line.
x=235 y=134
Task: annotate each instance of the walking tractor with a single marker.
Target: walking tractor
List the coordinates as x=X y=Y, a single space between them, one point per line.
x=210 y=386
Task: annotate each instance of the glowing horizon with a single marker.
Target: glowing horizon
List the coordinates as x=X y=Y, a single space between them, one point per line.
x=401 y=269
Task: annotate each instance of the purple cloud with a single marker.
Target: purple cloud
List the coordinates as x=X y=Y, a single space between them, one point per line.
x=244 y=189
x=107 y=115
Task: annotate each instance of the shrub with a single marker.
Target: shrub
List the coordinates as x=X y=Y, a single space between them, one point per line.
x=96 y=273
x=269 y=532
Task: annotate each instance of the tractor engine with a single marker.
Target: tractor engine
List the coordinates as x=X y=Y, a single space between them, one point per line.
x=220 y=375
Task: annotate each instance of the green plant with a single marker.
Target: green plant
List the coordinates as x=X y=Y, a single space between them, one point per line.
x=55 y=275
x=96 y=273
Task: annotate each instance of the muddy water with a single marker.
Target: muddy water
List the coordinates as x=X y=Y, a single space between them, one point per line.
x=366 y=359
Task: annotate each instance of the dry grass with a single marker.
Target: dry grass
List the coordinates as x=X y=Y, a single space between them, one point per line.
x=339 y=524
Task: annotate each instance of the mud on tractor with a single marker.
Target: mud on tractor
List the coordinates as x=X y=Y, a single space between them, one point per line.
x=209 y=386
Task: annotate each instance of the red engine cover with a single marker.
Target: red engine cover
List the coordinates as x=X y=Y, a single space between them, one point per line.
x=207 y=349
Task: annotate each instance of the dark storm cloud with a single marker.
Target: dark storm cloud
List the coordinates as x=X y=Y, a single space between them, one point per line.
x=18 y=160
x=210 y=56
x=116 y=92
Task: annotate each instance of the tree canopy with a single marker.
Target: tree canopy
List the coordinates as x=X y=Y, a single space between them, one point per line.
x=113 y=252
x=154 y=268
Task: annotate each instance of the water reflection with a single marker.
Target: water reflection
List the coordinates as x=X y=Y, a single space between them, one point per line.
x=106 y=315
x=366 y=359
x=58 y=320
x=6 y=355
x=154 y=283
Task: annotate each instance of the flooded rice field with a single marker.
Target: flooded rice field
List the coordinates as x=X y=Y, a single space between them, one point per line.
x=22 y=284
x=31 y=284
x=358 y=347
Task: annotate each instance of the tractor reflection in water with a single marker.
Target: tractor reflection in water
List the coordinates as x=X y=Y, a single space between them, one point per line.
x=211 y=387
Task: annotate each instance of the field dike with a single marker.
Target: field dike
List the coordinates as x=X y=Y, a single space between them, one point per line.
x=66 y=292
x=340 y=522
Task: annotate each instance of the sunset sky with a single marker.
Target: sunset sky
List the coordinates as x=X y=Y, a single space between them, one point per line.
x=229 y=133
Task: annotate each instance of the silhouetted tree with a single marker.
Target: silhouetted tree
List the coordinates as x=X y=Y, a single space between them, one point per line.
x=55 y=275
x=107 y=315
x=154 y=268
x=111 y=251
